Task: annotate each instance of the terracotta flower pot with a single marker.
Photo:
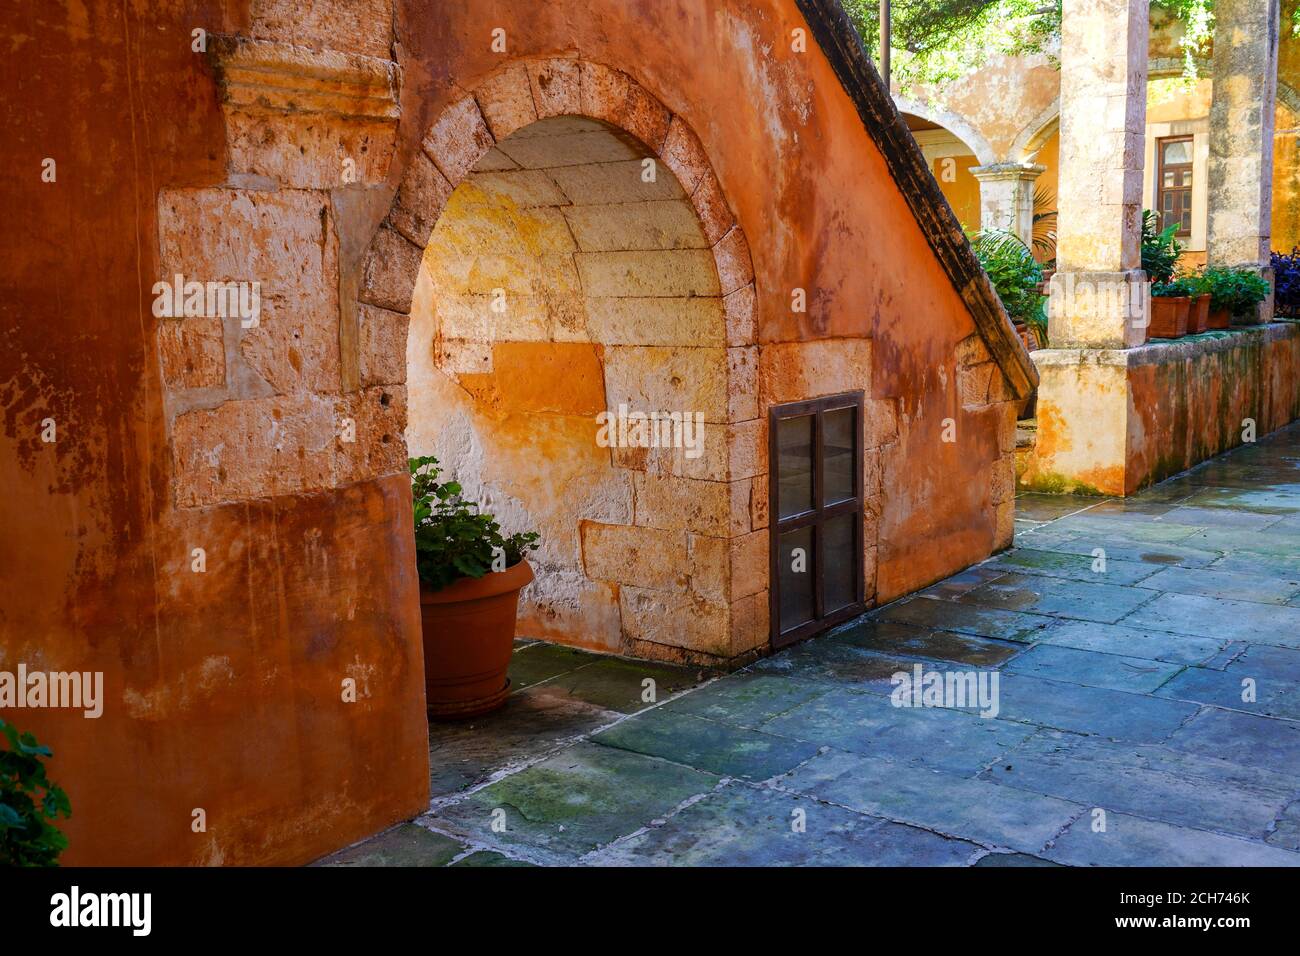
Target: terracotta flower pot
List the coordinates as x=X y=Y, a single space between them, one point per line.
x=469 y=633
x=1168 y=317
x=1220 y=319
x=1199 y=319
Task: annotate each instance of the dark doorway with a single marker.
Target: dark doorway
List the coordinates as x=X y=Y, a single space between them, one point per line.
x=815 y=451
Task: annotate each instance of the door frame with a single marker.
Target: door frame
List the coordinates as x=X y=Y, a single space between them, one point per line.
x=815 y=517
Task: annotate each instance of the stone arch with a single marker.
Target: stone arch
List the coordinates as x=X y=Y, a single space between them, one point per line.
x=1037 y=132
x=635 y=551
x=958 y=125
x=516 y=95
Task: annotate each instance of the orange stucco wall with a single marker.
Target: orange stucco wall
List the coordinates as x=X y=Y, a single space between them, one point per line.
x=222 y=687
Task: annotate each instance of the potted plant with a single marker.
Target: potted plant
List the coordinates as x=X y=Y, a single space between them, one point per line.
x=1170 y=310
x=1233 y=293
x=1170 y=303
x=1199 y=290
x=470 y=578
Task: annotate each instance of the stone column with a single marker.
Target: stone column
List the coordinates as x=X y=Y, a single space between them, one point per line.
x=1241 y=139
x=1098 y=295
x=1007 y=197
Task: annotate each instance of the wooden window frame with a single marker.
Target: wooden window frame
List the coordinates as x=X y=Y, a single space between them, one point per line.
x=1188 y=190
x=816 y=517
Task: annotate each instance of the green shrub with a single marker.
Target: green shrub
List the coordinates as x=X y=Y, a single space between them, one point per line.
x=1183 y=285
x=1016 y=277
x=453 y=539
x=1237 y=290
x=1160 y=252
x=29 y=804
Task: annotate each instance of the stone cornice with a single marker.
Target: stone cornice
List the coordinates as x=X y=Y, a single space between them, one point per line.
x=258 y=75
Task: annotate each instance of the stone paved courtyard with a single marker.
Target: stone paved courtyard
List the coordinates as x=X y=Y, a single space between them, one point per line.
x=1120 y=690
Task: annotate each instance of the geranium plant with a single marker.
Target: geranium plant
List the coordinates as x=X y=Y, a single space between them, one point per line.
x=453 y=539
x=1237 y=290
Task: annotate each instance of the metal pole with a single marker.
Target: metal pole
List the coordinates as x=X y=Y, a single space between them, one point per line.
x=884 y=42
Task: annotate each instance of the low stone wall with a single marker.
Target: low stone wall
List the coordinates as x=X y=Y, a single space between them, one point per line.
x=1113 y=421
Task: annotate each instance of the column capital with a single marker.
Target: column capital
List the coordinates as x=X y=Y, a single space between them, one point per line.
x=1007 y=172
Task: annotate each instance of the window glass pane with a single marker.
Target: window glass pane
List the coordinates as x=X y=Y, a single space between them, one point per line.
x=796 y=577
x=1169 y=178
x=794 y=438
x=840 y=564
x=1178 y=152
x=838 y=447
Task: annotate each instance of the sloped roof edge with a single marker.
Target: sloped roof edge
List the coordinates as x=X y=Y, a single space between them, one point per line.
x=840 y=43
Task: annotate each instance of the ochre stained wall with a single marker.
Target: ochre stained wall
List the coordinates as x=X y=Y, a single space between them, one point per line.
x=278 y=450
x=960 y=187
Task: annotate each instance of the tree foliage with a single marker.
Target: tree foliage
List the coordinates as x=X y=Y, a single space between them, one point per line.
x=935 y=42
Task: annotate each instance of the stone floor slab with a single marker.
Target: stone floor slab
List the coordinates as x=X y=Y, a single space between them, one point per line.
x=1246 y=739
x=1214 y=617
x=1277 y=663
x=1133 y=674
x=463 y=753
x=1041 y=507
x=1012 y=860
x=1230 y=585
x=963 y=582
x=967 y=619
x=1091 y=710
x=619 y=684
x=1148 y=780
x=837 y=664
x=1131 y=642
x=407 y=845
x=1257 y=693
x=950 y=740
x=746 y=699
x=1118 y=547
x=489 y=858
x=966 y=809
x=707 y=744
x=743 y=826
x=1077 y=567
x=1059 y=597
x=1133 y=841
x=573 y=803
x=1237 y=519
x=539 y=661
x=889 y=638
